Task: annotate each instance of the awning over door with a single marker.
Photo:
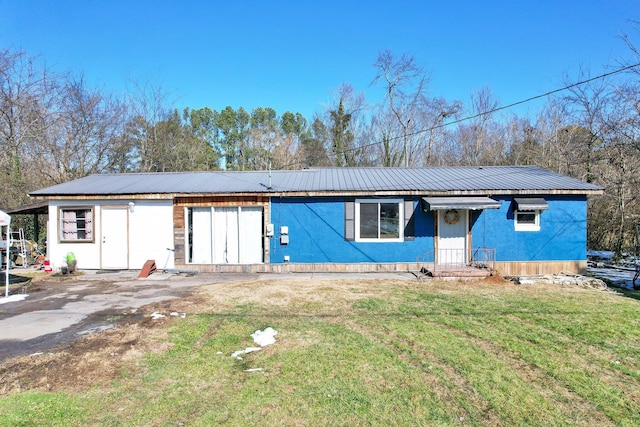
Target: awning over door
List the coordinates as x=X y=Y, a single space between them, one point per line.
x=459 y=202
x=531 y=204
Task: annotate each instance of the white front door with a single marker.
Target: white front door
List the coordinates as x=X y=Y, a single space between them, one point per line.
x=114 y=248
x=452 y=237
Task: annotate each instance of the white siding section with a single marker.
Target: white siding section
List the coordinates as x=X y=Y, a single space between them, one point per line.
x=150 y=231
x=87 y=254
x=151 y=234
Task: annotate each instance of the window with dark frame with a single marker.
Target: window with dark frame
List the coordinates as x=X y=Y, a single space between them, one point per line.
x=527 y=220
x=379 y=220
x=526 y=217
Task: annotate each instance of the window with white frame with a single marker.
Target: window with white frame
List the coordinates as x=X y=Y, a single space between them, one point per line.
x=76 y=224
x=379 y=220
x=527 y=220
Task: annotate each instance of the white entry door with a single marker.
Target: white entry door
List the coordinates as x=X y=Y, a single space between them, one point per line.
x=114 y=248
x=452 y=237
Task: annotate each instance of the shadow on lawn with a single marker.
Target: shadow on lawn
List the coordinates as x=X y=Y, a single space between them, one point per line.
x=630 y=293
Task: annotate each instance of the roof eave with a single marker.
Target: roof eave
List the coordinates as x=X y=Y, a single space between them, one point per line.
x=323 y=193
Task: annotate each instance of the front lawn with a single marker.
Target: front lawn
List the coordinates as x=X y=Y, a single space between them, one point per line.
x=364 y=352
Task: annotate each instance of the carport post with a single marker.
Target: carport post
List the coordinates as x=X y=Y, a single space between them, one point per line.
x=6 y=273
x=5 y=220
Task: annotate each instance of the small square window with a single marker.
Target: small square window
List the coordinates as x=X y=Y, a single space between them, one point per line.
x=76 y=224
x=527 y=220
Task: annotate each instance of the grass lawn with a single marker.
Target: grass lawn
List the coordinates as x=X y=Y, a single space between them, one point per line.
x=352 y=353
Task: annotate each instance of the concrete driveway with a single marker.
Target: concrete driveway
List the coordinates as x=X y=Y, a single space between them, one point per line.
x=56 y=312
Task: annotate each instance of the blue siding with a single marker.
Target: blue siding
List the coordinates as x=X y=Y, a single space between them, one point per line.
x=316 y=233
x=562 y=235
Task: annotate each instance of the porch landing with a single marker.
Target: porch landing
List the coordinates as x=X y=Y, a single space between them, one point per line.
x=468 y=273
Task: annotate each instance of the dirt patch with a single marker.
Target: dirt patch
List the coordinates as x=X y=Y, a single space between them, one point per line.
x=288 y=291
x=496 y=279
x=99 y=357
x=96 y=358
x=94 y=351
x=93 y=360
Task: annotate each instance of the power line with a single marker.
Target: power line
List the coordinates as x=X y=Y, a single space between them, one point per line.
x=504 y=107
x=484 y=113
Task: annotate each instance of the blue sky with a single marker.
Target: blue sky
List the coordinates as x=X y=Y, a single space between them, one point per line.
x=294 y=55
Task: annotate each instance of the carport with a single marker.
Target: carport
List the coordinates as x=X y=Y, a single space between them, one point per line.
x=5 y=221
x=34 y=210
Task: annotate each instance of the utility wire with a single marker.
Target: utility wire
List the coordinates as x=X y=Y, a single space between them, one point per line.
x=504 y=107
x=484 y=113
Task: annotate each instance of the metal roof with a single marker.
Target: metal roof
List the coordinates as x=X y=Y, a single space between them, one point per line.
x=37 y=208
x=432 y=180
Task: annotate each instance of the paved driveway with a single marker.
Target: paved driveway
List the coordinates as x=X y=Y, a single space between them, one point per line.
x=57 y=312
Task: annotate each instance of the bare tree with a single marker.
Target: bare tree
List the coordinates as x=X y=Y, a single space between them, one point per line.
x=405 y=84
x=87 y=127
x=148 y=105
x=28 y=94
x=343 y=122
x=619 y=171
x=603 y=143
x=554 y=153
x=384 y=129
x=525 y=143
x=481 y=140
x=434 y=116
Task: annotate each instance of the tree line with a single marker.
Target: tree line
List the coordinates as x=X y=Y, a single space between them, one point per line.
x=54 y=128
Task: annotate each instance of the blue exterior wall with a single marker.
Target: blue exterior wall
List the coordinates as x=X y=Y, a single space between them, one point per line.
x=316 y=233
x=562 y=235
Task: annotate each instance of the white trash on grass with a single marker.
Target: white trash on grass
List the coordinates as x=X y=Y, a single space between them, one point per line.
x=247 y=350
x=265 y=338
x=262 y=338
x=155 y=315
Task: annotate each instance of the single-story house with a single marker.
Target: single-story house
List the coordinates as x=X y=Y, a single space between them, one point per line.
x=520 y=219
